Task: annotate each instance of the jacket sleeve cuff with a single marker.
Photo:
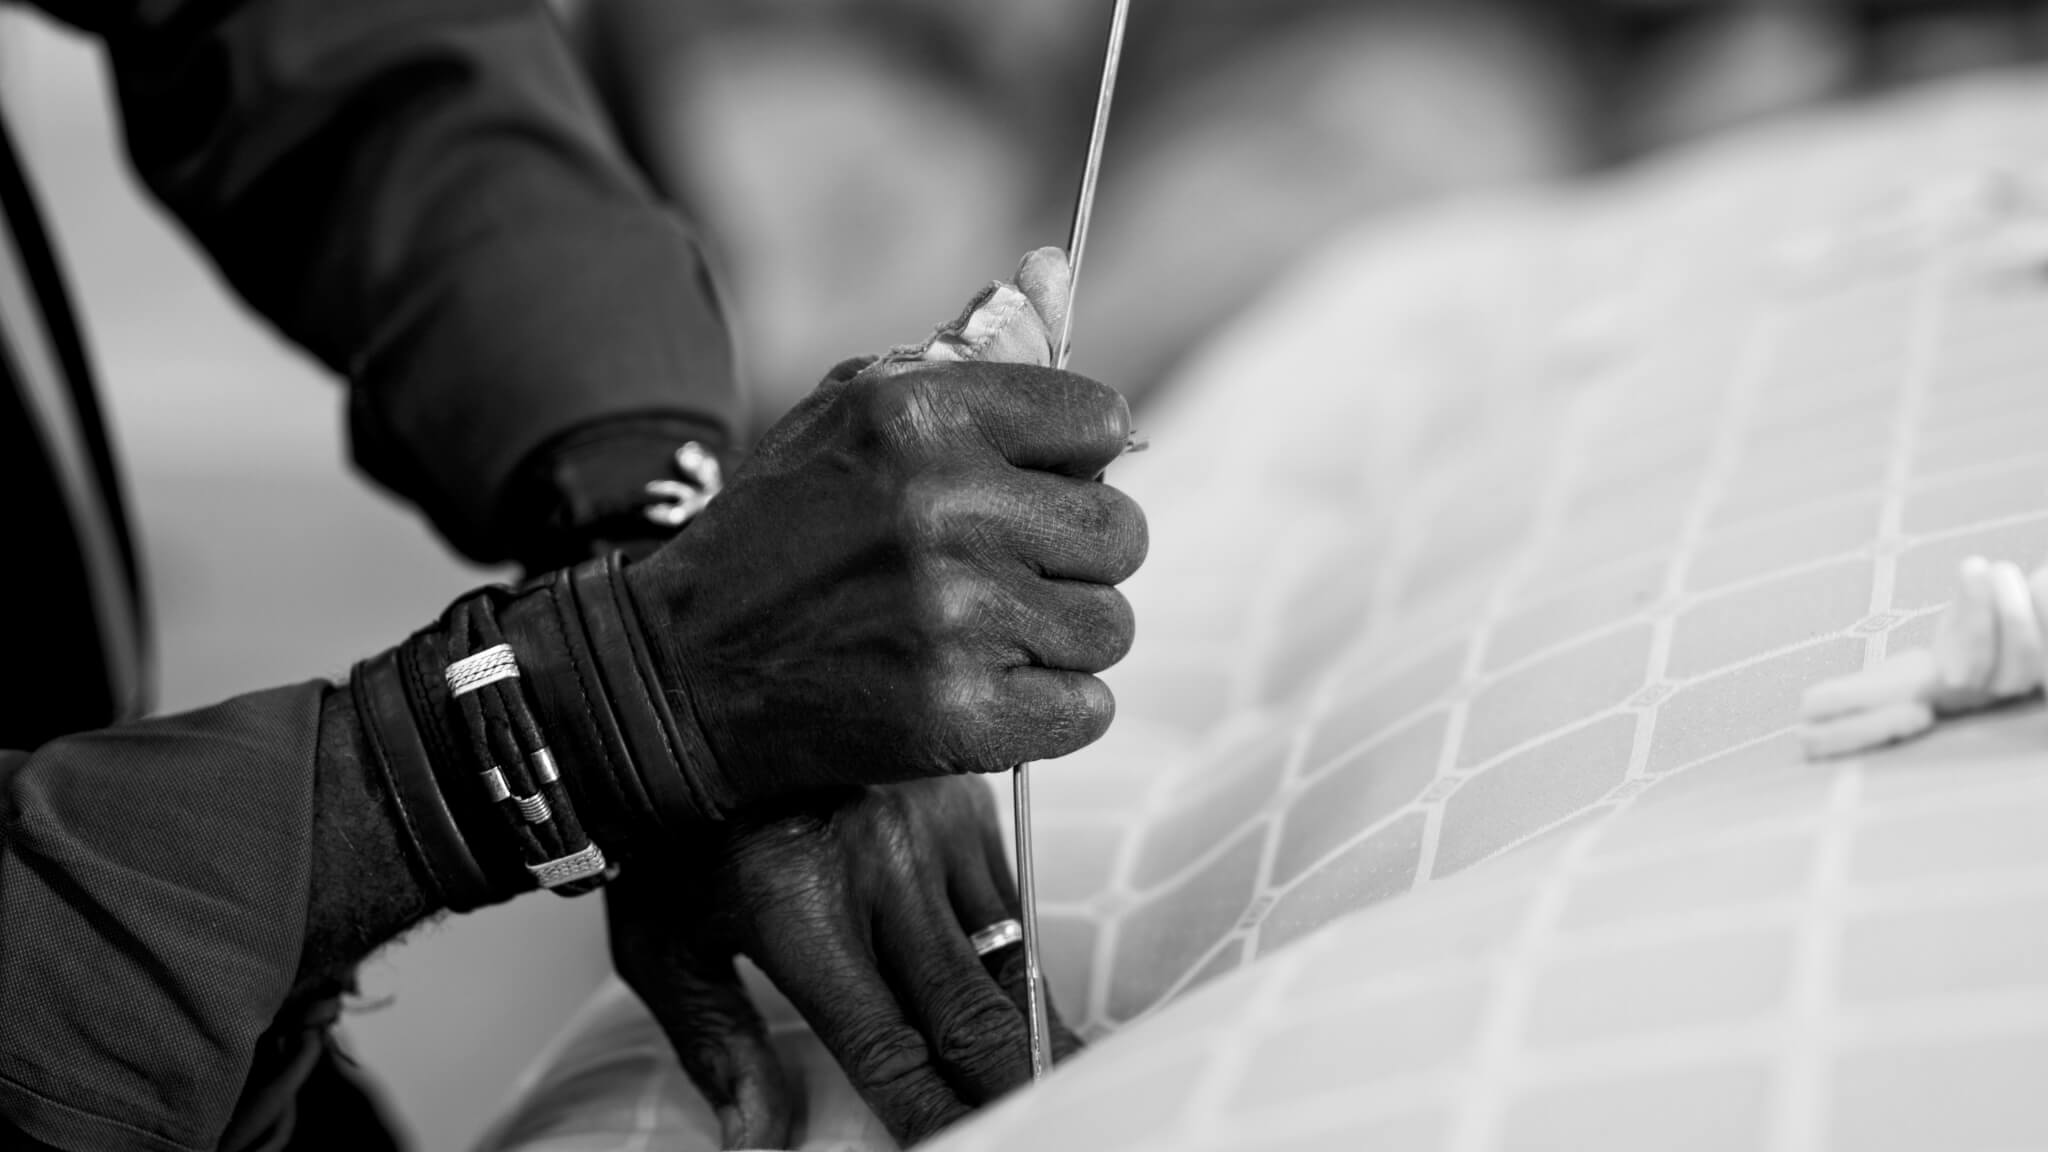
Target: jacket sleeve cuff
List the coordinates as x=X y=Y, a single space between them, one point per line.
x=519 y=340
x=585 y=493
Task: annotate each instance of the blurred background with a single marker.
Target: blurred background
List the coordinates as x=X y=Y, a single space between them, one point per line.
x=860 y=167
x=855 y=162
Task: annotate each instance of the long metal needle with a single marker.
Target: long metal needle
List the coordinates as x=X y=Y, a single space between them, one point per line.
x=1091 y=172
x=1077 y=245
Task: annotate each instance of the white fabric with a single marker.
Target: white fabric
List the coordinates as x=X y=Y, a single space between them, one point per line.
x=1456 y=765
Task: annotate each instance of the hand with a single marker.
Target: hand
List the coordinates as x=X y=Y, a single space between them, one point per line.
x=860 y=911
x=912 y=577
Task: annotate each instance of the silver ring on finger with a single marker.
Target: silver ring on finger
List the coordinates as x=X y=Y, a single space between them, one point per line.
x=996 y=937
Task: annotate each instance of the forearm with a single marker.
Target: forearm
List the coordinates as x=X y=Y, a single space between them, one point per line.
x=174 y=891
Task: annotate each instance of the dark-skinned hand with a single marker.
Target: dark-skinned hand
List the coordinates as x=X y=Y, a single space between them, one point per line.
x=859 y=909
x=912 y=576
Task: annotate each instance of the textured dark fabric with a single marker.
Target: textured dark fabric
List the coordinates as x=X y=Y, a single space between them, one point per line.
x=421 y=193
x=152 y=897
x=591 y=485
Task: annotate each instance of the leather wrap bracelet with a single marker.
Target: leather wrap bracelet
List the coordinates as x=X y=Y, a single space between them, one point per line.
x=526 y=738
x=522 y=781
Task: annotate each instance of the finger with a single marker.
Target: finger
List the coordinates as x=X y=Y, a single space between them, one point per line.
x=984 y=892
x=1036 y=418
x=1064 y=528
x=830 y=975
x=690 y=987
x=1044 y=714
x=1076 y=627
x=1047 y=280
x=723 y=1045
x=976 y=1033
x=1027 y=620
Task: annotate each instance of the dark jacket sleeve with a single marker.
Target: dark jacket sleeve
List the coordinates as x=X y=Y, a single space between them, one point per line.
x=153 y=894
x=422 y=193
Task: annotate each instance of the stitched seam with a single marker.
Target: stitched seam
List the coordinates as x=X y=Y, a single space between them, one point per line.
x=702 y=789
x=412 y=668
x=563 y=620
x=378 y=751
x=638 y=783
x=664 y=720
x=157 y=1139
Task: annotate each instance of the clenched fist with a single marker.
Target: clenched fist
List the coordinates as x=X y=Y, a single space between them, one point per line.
x=913 y=576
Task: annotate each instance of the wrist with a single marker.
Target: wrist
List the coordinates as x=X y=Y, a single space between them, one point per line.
x=633 y=770
x=567 y=753
x=647 y=773
x=428 y=778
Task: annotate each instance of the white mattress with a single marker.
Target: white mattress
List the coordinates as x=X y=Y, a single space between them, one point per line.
x=1452 y=766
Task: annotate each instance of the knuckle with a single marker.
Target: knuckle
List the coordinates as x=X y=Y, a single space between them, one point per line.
x=957 y=708
x=1115 y=628
x=1086 y=519
x=888 y=1061
x=892 y=1069
x=924 y=508
x=1130 y=534
x=1100 y=403
x=923 y=410
x=1114 y=527
x=881 y=398
x=1094 y=625
x=1081 y=508
x=890 y=829
x=962 y=605
x=982 y=1037
x=1075 y=718
x=946 y=510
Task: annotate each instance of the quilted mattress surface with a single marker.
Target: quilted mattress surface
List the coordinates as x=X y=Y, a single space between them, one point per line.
x=1452 y=801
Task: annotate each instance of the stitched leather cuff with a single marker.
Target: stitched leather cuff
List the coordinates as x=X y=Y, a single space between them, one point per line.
x=629 y=758
x=401 y=753
x=630 y=761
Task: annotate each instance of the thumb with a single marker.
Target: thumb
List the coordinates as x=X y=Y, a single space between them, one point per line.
x=1047 y=281
x=1009 y=322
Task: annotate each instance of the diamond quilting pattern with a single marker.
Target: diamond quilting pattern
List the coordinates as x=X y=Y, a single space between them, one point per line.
x=1671 y=499
x=1453 y=803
